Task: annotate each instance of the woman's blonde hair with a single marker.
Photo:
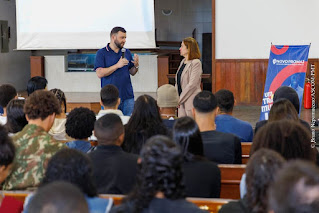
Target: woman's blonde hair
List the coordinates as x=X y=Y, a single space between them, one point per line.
x=193 y=49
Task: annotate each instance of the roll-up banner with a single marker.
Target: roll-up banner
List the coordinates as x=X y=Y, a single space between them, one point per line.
x=287 y=66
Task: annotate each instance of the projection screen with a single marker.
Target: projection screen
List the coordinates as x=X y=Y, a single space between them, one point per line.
x=79 y=24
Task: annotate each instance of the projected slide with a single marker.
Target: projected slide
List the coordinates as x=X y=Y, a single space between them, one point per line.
x=79 y=24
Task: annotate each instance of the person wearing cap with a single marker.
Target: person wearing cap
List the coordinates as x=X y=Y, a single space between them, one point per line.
x=167 y=101
x=188 y=76
x=114 y=65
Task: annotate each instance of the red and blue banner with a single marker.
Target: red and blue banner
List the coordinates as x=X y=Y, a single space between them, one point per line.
x=287 y=66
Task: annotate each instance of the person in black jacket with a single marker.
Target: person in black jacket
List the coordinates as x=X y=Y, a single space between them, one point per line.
x=261 y=170
x=201 y=176
x=222 y=148
x=113 y=169
x=159 y=182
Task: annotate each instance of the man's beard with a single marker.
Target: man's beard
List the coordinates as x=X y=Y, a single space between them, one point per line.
x=118 y=44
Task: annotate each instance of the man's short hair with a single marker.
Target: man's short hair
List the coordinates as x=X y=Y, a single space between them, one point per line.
x=80 y=123
x=167 y=96
x=288 y=93
x=58 y=197
x=205 y=102
x=115 y=30
x=108 y=129
x=109 y=95
x=7 y=93
x=36 y=83
x=296 y=188
x=41 y=104
x=225 y=100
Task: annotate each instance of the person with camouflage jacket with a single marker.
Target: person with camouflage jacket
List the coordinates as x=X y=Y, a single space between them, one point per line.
x=34 y=145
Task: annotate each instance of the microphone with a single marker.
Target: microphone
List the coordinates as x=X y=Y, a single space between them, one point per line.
x=123 y=52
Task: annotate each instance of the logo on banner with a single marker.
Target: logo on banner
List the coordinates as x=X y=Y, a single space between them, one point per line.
x=286 y=67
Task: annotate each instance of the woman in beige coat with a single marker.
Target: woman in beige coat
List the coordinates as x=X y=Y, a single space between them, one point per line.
x=188 y=76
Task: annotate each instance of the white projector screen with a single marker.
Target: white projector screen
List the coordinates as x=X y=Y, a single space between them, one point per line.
x=246 y=28
x=81 y=24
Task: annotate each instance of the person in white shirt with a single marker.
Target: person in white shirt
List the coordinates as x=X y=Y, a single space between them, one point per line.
x=110 y=101
x=7 y=93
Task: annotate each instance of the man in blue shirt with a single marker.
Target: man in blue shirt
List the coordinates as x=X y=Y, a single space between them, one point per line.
x=225 y=122
x=114 y=69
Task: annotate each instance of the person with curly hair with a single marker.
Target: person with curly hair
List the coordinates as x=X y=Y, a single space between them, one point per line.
x=75 y=167
x=7 y=93
x=35 y=146
x=79 y=125
x=144 y=123
x=7 y=155
x=261 y=170
x=114 y=170
x=16 y=119
x=160 y=185
x=202 y=177
x=58 y=128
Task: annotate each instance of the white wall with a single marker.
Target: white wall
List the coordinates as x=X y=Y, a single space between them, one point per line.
x=144 y=81
x=246 y=28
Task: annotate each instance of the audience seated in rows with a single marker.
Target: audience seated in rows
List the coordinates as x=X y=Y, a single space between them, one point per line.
x=220 y=147
x=16 y=119
x=159 y=182
x=290 y=94
x=110 y=102
x=289 y=138
x=79 y=125
x=34 y=146
x=261 y=170
x=295 y=189
x=201 y=176
x=114 y=170
x=58 y=197
x=7 y=155
x=36 y=83
x=283 y=109
x=167 y=101
x=58 y=128
x=226 y=122
x=7 y=93
x=144 y=123
x=75 y=167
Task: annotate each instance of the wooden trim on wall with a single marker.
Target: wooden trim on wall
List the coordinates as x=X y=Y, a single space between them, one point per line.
x=213 y=45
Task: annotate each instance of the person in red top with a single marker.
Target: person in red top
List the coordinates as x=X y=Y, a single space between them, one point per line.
x=7 y=153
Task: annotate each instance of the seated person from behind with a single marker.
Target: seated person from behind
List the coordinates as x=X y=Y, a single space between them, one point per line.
x=74 y=167
x=34 y=145
x=16 y=119
x=220 y=147
x=36 y=83
x=201 y=176
x=159 y=187
x=226 y=122
x=59 y=197
x=79 y=125
x=110 y=101
x=167 y=101
x=295 y=189
x=290 y=94
x=7 y=93
x=144 y=123
x=113 y=169
x=58 y=128
x=7 y=155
